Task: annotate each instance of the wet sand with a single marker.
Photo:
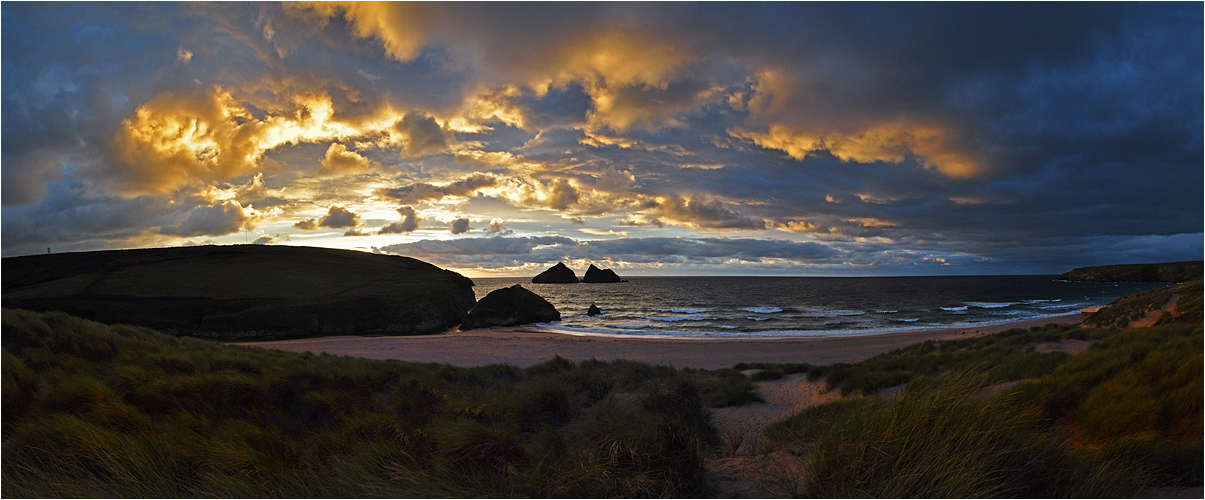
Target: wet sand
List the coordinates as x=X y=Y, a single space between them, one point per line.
x=523 y=347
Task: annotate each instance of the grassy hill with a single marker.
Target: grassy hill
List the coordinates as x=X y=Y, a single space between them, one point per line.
x=246 y=291
x=1171 y=272
x=100 y=411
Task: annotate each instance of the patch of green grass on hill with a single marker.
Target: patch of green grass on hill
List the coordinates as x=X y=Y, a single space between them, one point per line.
x=1123 y=311
x=1123 y=416
x=1009 y=355
x=252 y=291
x=92 y=410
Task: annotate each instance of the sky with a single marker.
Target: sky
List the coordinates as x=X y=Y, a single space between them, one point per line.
x=496 y=139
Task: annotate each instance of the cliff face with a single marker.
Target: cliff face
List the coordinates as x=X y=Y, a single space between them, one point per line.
x=243 y=292
x=1172 y=272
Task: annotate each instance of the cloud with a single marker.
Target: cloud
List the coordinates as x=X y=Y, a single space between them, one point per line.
x=215 y=220
x=355 y=231
x=423 y=134
x=497 y=229
x=307 y=224
x=460 y=226
x=420 y=191
x=338 y=217
x=191 y=243
x=210 y=135
x=703 y=212
x=881 y=142
x=266 y=239
x=603 y=232
x=408 y=224
x=339 y=161
x=401 y=28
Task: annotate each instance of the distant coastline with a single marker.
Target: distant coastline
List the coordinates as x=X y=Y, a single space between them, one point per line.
x=1166 y=272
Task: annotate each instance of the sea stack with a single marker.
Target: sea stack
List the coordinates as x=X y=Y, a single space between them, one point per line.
x=560 y=273
x=596 y=275
x=509 y=307
x=593 y=311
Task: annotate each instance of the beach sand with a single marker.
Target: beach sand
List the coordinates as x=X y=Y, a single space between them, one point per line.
x=523 y=347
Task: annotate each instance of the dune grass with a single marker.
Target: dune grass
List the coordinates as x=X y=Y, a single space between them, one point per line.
x=1008 y=355
x=92 y=410
x=1119 y=418
x=1121 y=312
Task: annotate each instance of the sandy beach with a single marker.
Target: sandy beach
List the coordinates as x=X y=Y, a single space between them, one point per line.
x=523 y=347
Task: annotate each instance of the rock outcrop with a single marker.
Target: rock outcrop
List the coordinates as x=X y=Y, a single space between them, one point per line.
x=509 y=307
x=593 y=311
x=560 y=273
x=596 y=275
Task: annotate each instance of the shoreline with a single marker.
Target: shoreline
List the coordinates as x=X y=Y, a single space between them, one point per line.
x=524 y=346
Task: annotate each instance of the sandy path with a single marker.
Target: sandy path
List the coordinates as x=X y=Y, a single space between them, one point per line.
x=525 y=347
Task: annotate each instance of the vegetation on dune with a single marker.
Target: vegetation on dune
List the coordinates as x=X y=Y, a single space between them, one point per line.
x=1126 y=310
x=1005 y=356
x=246 y=291
x=1123 y=416
x=92 y=410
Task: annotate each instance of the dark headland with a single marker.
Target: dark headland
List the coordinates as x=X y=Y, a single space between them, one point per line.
x=243 y=292
x=1169 y=272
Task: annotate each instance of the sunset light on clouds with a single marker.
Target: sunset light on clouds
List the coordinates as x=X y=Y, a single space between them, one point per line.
x=652 y=138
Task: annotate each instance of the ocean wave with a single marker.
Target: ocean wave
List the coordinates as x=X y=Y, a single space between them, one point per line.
x=959 y=308
x=683 y=311
x=628 y=325
x=913 y=320
x=763 y=310
x=888 y=312
x=754 y=318
x=692 y=317
x=728 y=327
x=841 y=323
x=850 y=313
x=1037 y=301
x=1072 y=306
x=992 y=305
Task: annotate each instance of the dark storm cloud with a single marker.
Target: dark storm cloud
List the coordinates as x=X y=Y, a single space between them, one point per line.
x=421 y=191
x=339 y=217
x=423 y=134
x=408 y=224
x=459 y=226
x=982 y=134
x=215 y=220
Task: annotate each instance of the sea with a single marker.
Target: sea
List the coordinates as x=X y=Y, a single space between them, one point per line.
x=744 y=307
